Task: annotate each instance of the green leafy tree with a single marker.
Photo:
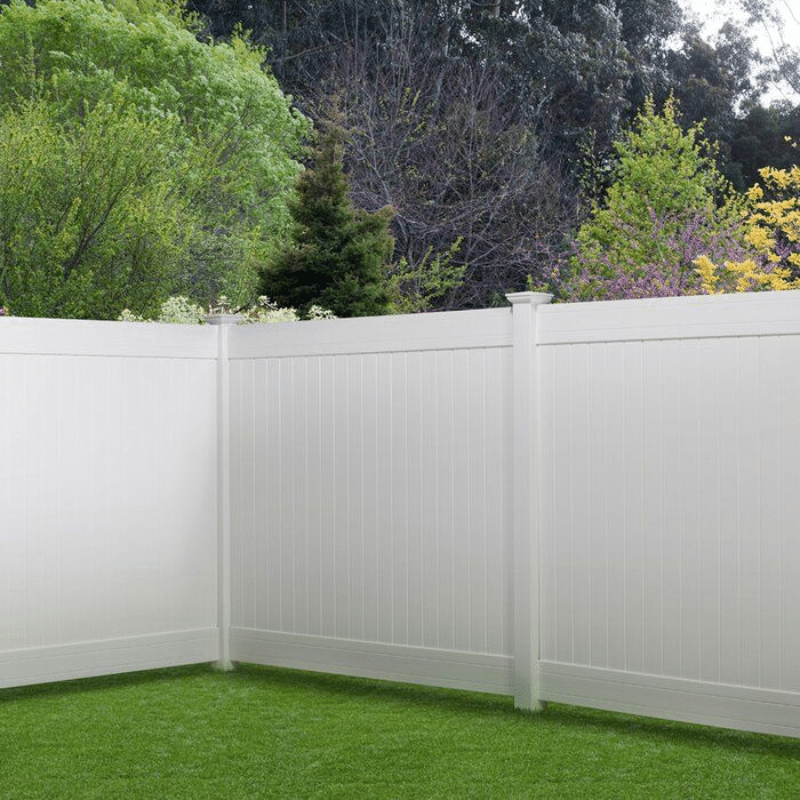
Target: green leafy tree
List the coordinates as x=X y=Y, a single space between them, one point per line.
x=160 y=164
x=413 y=289
x=668 y=203
x=338 y=254
x=89 y=219
x=763 y=137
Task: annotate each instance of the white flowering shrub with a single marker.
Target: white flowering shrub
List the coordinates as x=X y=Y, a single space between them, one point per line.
x=181 y=310
x=178 y=309
x=265 y=311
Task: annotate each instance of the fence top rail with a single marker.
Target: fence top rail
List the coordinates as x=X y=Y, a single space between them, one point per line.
x=701 y=317
x=448 y=330
x=719 y=316
x=28 y=336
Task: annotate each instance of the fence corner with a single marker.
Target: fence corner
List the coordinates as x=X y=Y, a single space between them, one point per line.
x=224 y=321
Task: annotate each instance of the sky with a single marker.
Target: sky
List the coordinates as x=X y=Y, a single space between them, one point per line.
x=715 y=12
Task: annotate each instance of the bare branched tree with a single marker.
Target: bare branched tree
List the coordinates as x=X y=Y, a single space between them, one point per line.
x=769 y=17
x=449 y=145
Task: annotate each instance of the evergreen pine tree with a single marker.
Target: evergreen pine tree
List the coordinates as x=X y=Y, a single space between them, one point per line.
x=338 y=254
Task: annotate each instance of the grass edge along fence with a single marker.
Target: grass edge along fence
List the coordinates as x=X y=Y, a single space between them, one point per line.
x=265 y=731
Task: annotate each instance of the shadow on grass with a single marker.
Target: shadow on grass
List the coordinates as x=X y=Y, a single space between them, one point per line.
x=559 y=718
x=673 y=732
x=555 y=715
x=348 y=687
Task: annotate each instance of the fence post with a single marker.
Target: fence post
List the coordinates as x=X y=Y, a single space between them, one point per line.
x=224 y=321
x=525 y=515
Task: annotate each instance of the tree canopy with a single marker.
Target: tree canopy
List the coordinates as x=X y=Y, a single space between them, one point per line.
x=137 y=160
x=671 y=224
x=486 y=121
x=149 y=151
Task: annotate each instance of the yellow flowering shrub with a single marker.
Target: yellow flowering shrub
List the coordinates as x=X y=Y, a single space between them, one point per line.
x=744 y=276
x=772 y=221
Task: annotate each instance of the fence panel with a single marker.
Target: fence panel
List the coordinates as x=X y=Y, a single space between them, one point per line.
x=107 y=498
x=372 y=500
x=670 y=507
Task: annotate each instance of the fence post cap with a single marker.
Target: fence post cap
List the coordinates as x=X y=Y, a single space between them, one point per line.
x=223 y=319
x=533 y=298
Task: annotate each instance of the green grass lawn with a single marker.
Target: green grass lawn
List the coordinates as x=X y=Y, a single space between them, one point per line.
x=262 y=732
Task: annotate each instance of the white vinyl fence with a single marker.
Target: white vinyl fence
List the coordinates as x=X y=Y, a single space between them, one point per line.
x=595 y=504
x=108 y=486
x=372 y=499
x=670 y=508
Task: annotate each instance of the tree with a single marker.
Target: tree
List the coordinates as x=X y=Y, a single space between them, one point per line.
x=474 y=118
x=444 y=142
x=89 y=219
x=713 y=78
x=413 y=289
x=338 y=255
x=767 y=16
x=584 y=56
x=671 y=227
x=764 y=136
x=167 y=167
x=469 y=118
x=667 y=205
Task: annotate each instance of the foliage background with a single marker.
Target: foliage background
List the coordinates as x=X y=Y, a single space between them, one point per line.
x=152 y=148
x=137 y=161
x=493 y=122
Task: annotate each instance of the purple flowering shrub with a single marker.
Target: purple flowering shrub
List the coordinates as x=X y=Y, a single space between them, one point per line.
x=584 y=274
